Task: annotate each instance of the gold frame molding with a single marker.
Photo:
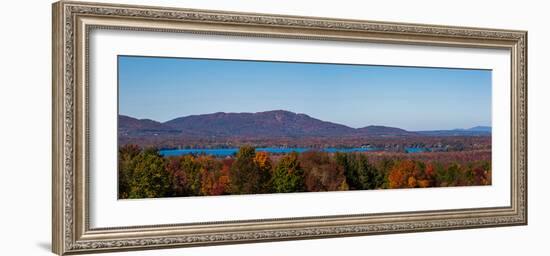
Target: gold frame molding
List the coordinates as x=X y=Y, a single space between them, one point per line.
x=72 y=22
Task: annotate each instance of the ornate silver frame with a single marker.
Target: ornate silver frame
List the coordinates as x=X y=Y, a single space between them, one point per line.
x=72 y=22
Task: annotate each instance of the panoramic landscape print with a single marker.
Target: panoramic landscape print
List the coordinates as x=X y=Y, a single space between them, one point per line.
x=207 y=127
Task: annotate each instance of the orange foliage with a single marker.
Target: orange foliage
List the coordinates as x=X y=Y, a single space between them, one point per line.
x=429 y=169
x=411 y=182
x=207 y=182
x=400 y=174
x=395 y=178
x=411 y=174
x=215 y=181
x=262 y=160
x=423 y=183
x=223 y=183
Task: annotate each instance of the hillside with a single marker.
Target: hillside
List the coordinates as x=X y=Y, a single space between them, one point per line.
x=268 y=124
x=274 y=124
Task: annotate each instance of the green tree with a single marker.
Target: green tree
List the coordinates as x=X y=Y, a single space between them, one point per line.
x=192 y=173
x=352 y=178
x=450 y=176
x=126 y=155
x=288 y=175
x=360 y=173
x=384 y=166
x=149 y=178
x=369 y=176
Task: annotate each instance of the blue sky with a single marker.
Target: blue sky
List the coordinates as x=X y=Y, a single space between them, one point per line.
x=411 y=98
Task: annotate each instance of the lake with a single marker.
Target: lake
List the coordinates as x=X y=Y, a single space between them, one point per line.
x=223 y=152
x=417 y=150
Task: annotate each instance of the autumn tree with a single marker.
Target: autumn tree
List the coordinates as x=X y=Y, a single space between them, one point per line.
x=427 y=179
x=288 y=176
x=197 y=175
x=177 y=175
x=209 y=173
x=207 y=182
x=262 y=161
x=247 y=177
x=322 y=173
x=403 y=174
x=222 y=185
x=186 y=176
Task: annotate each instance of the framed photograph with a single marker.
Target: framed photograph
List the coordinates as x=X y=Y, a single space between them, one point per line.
x=179 y=127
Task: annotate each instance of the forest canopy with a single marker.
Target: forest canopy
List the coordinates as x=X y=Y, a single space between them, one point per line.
x=144 y=173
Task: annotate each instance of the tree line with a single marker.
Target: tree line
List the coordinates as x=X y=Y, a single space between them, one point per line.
x=144 y=173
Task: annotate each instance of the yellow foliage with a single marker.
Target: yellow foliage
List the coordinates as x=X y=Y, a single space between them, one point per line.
x=411 y=182
x=262 y=160
x=343 y=186
x=423 y=183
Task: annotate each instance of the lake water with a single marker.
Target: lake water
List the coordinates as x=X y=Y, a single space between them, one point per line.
x=223 y=152
x=417 y=150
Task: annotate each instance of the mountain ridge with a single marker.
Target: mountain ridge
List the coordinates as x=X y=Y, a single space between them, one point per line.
x=274 y=123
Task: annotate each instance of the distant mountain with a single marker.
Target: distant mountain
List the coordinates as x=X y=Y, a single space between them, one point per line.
x=269 y=124
x=474 y=131
x=377 y=130
x=135 y=127
x=276 y=123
